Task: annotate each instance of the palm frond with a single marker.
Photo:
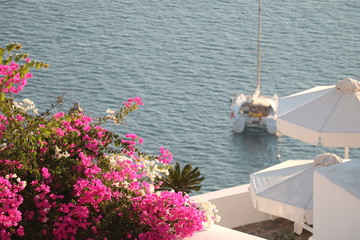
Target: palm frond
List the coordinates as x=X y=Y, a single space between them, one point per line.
x=185 y=180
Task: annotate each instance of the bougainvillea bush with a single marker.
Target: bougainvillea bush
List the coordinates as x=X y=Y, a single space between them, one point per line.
x=64 y=176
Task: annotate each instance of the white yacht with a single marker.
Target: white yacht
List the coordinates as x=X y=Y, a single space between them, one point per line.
x=254 y=110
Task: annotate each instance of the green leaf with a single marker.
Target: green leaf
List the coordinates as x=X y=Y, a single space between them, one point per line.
x=185 y=180
x=24 y=71
x=2 y=97
x=31 y=63
x=47 y=133
x=10 y=47
x=18 y=46
x=7 y=61
x=38 y=65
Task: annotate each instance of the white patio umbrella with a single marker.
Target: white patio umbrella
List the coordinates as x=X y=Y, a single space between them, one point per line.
x=286 y=189
x=329 y=115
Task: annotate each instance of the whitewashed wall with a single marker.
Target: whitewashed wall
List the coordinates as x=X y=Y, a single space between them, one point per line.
x=236 y=209
x=235 y=206
x=337 y=202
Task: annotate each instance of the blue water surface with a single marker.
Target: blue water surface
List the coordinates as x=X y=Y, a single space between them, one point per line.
x=185 y=59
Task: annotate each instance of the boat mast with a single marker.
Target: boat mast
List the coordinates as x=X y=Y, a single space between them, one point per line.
x=257 y=91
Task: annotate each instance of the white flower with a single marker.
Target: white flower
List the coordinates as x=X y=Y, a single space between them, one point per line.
x=112 y=162
x=151 y=188
x=165 y=172
x=109 y=111
x=25 y=106
x=23 y=183
x=59 y=155
x=210 y=211
x=28 y=101
x=126 y=184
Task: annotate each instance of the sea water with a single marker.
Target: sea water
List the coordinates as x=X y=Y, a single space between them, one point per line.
x=185 y=59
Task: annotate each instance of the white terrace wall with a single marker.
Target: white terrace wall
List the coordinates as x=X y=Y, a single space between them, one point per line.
x=235 y=206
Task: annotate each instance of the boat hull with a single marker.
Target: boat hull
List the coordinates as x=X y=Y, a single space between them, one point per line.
x=258 y=112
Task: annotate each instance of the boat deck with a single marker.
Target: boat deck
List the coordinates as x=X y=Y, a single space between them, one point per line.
x=270 y=229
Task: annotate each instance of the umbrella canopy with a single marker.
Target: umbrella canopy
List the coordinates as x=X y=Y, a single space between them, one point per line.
x=286 y=189
x=328 y=115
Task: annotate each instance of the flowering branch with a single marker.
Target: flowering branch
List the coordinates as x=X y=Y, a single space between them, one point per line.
x=64 y=176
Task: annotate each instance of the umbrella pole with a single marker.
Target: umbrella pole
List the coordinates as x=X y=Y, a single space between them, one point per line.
x=346 y=153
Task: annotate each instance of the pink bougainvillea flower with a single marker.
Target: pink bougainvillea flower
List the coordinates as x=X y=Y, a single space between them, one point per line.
x=133 y=101
x=11 y=82
x=59 y=115
x=165 y=156
x=168 y=214
x=19 y=118
x=45 y=172
x=82 y=178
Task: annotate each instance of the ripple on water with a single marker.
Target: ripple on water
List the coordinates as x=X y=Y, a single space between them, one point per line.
x=186 y=59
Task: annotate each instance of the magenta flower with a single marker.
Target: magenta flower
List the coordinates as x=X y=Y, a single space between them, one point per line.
x=85 y=182
x=59 y=115
x=10 y=201
x=169 y=215
x=3 y=123
x=13 y=83
x=133 y=101
x=60 y=132
x=45 y=172
x=19 y=118
x=165 y=156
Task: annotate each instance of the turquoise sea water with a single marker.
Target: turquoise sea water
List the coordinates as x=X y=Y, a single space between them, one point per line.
x=185 y=59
